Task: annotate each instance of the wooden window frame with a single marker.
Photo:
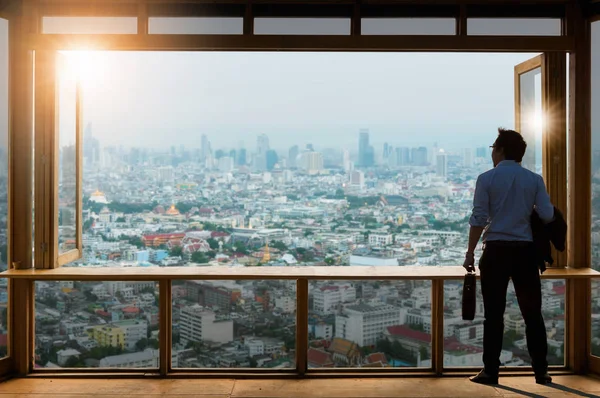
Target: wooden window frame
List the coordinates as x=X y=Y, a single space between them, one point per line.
x=28 y=39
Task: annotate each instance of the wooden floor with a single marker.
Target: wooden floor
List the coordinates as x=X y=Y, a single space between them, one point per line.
x=565 y=386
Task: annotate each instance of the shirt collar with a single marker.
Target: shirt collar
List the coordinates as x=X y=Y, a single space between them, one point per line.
x=508 y=163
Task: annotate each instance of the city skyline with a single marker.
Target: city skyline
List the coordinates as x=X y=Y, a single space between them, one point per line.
x=299 y=95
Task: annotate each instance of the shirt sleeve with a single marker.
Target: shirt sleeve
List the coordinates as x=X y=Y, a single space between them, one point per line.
x=481 y=204
x=543 y=205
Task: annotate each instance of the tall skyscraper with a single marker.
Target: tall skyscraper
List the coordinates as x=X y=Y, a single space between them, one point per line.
x=403 y=156
x=242 y=157
x=293 y=156
x=271 y=158
x=366 y=153
x=262 y=146
x=442 y=164
x=468 y=157
x=419 y=156
x=205 y=150
x=346 y=162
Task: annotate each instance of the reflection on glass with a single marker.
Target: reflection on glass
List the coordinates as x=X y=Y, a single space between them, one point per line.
x=531 y=118
x=595 y=318
x=234 y=324
x=67 y=177
x=3 y=185
x=89 y=25
x=463 y=340
x=195 y=26
x=96 y=324
x=301 y=26
x=369 y=324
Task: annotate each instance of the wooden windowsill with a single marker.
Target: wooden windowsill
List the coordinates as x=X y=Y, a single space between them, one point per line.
x=290 y=273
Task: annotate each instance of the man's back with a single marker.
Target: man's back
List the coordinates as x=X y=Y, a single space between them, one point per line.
x=504 y=201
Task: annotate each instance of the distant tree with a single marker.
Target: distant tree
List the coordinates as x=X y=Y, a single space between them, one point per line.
x=252 y=362
x=136 y=241
x=329 y=261
x=200 y=258
x=240 y=247
x=73 y=362
x=121 y=219
x=279 y=245
x=176 y=251
x=213 y=243
x=339 y=193
x=308 y=233
x=141 y=344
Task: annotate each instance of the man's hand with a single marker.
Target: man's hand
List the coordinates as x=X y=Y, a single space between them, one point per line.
x=469 y=263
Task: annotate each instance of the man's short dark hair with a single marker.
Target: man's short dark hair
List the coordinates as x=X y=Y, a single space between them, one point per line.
x=512 y=143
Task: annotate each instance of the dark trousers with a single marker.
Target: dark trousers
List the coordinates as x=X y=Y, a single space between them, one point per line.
x=500 y=262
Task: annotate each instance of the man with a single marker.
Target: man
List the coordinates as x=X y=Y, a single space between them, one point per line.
x=505 y=198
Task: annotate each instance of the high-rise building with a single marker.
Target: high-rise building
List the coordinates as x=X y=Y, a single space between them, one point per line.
x=292 y=156
x=357 y=177
x=403 y=156
x=364 y=324
x=346 y=162
x=386 y=150
x=271 y=158
x=312 y=162
x=468 y=157
x=442 y=164
x=419 y=156
x=366 y=153
x=262 y=146
x=242 y=157
x=198 y=324
x=205 y=149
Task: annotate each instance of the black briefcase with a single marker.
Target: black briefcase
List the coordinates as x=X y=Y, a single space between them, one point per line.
x=468 y=297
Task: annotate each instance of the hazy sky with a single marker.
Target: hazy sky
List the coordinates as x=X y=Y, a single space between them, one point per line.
x=162 y=99
x=169 y=98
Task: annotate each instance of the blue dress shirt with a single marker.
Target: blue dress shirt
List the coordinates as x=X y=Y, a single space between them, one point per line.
x=505 y=198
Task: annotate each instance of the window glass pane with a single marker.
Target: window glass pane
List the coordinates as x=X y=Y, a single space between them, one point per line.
x=234 y=324
x=408 y=26
x=96 y=324
x=596 y=145
x=89 y=25
x=532 y=118
x=4 y=117
x=301 y=26
x=514 y=27
x=369 y=324
x=164 y=186
x=67 y=177
x=463 y=340
x=196 y=26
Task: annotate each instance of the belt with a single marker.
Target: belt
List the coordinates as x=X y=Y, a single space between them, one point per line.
x=507 y=243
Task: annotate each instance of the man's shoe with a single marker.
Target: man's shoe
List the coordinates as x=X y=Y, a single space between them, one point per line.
x=484 y=378
x=543 y=379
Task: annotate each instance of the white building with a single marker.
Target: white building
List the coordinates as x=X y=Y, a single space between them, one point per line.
x=225 y=164
x=286 y=303
x=149 y=358
x=63 y=356
x=312 y=162
x=198 y=324
x=442 y=164
x=327 y=299
x=364 y=324
x=381 y=239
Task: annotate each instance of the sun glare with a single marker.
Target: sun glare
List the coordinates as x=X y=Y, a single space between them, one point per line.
x=85 y=67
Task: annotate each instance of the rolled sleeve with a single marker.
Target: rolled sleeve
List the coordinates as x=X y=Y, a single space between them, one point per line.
x=481 y=205
x=543 y=205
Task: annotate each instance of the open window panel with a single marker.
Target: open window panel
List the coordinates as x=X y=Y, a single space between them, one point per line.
x=59 y=126
x=540 y=116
